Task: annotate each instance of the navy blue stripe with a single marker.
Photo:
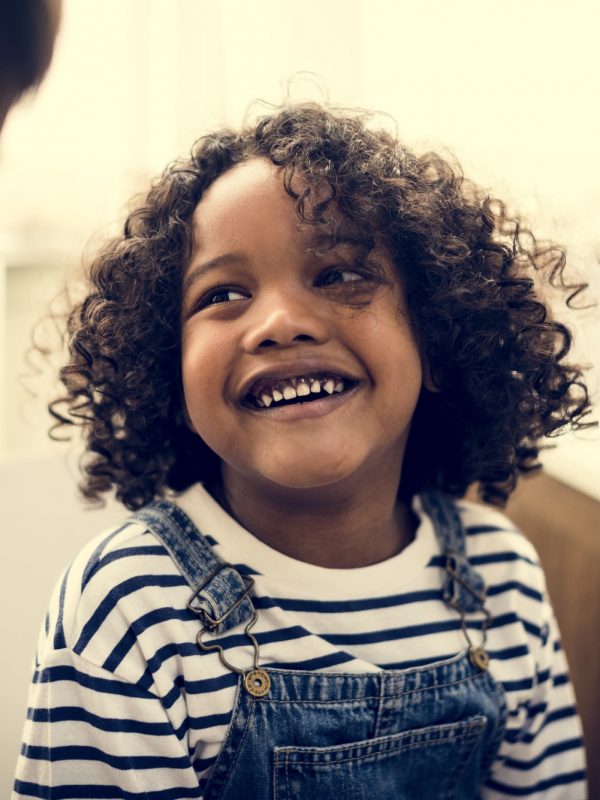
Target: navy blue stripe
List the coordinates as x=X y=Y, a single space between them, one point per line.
x=543 y=676
x=202 y=764
x=522 y=588
x=391 y=634
x=104 y=685
x=95 y=557
x=521 y=685
x=189 y=649
x=552 y=750
x=121 y=590
x=78 y=752
x=538 y=708
x=409 y=631
x=488 y=558
x=540 y=786
x=205 y=685
x=210 y=721
x=345 y=606
x=59 y=634
x=138 y=627
x=560 y=680
x=114 y=725
x=509 y=652
x=555 y=716
x=312 y=664
x=127 y=552
x=91 y=791
x=170 y=698
x=202 y=686
x=499 y=558
x=534 y=630
x=164 y=653
x=475 y=530
x=291 y=633
x=528 y=737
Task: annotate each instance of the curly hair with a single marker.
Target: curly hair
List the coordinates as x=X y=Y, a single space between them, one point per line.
x=471 y=274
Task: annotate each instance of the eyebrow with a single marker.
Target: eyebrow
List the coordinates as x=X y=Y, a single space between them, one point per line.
x=340 y=239
x=201 y=269
x=316 y=240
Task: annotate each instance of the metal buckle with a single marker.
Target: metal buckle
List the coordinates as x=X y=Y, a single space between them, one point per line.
x=256 y=681
x=211 y=621
x=478 y=655
x=451 y=564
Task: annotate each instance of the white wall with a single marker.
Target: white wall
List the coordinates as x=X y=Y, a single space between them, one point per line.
x=512 y=88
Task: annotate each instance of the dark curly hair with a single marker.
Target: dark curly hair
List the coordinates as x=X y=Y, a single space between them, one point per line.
x=471 y=274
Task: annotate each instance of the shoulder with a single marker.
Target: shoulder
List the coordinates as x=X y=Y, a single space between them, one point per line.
x=508 y=563
x=515 y=584
x=110 y=591
x=492 y=537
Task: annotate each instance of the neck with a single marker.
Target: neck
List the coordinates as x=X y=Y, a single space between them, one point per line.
x=343 y=527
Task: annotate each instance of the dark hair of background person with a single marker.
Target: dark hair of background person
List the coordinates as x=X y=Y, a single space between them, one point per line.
x=471 y=273
x=27 y=32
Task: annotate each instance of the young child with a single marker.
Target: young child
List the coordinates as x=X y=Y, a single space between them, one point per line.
x=304 y=348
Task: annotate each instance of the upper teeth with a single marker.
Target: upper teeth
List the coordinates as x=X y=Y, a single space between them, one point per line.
x=297 y=387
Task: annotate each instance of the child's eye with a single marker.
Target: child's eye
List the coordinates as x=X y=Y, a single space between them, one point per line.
x=333 y=277
x=220 y=294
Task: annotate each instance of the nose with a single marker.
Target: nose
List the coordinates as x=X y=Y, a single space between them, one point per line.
x=285 y=320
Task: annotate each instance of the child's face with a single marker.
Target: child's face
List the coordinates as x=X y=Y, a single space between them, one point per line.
x=260 y=311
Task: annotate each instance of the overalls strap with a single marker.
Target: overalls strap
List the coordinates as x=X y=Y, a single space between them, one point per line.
x=221 y=596
x=463 y=587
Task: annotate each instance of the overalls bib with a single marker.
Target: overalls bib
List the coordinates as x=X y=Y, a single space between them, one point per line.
x=424 y=732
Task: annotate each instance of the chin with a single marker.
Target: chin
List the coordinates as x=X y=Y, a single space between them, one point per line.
x=304 y=478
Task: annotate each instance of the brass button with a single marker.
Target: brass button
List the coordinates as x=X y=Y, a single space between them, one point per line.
x=257 y=682
x=479 y=658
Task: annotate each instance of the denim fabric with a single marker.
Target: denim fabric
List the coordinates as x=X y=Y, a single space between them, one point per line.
x=219 y=590
x=463 y=587
x=425 y=732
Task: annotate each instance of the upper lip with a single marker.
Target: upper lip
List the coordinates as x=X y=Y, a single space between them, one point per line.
x=259 y=378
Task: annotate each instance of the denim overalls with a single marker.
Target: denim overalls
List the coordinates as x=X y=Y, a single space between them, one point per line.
x=425 y=732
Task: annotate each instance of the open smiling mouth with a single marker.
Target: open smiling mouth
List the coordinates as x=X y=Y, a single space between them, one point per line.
x=271 y=393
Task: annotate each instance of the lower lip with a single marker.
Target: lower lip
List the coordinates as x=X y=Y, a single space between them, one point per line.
x=310 y=410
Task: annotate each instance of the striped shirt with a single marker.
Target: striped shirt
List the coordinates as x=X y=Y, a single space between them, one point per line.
x=124 y=705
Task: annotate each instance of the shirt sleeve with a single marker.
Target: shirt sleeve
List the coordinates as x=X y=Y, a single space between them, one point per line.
x=90 y=734
x=542 y=756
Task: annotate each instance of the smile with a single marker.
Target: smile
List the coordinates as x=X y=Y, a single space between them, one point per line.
x=292 y=391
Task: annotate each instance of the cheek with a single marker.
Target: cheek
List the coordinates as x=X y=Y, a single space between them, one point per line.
x=206 y=369
x=200 y=378
x=389 y=343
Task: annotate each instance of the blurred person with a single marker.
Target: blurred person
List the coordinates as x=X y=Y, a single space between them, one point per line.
x=28 y=31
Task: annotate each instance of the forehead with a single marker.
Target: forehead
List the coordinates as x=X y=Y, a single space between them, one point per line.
x=250 y=201
x=246 y=187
